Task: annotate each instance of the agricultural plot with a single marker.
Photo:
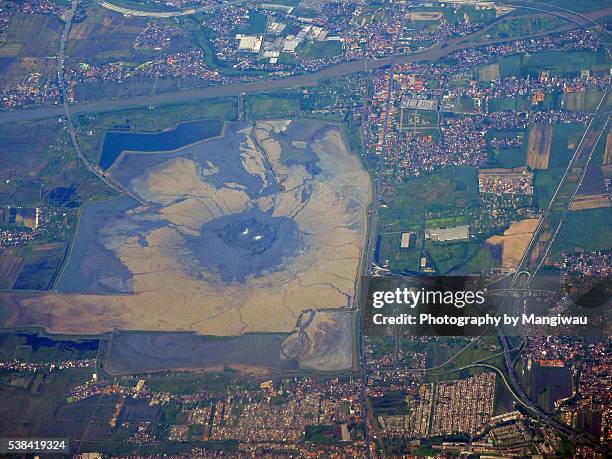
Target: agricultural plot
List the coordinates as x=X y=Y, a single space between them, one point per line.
x=585 y=101
x=25 y=47
x=585 y=230
x=310 y=50
x=553 y=61
x=565 y=139
x=266 y=106
x=519 y=27
x=514 y=241
x=607 y=160
x=105 y=36
x=31 y=35
x=489 y=72
x=10 y=265
x=538 y=147
x=35 y=165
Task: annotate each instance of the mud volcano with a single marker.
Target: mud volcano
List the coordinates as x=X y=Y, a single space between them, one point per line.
x=234 y=235
x=250 y=243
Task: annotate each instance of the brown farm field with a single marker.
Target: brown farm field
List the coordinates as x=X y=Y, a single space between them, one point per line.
x=581 y=101
x=28 y=46
x=31 y=35
x=538 y=148
x=489 y=72
x=104 y=36
x=514 y=241
x=591 y=201
x=608 y=154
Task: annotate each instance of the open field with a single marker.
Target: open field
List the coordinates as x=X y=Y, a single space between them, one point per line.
x=590 y=201
x=554 y=61
x=447 y=256
x=586 y=230
x=266 y=106
x=37 y=159
x=489 y=72
x=452 y=189
x=507 y=157
x=608 y=152
x=310 y=50
x=514 y=241
x=538 y=147
x=585 y=101
x=518 y=27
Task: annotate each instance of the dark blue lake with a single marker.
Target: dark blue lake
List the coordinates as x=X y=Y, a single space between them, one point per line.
x=183 y=134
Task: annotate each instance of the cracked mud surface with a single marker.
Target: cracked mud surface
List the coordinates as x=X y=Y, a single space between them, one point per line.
x=241 y=234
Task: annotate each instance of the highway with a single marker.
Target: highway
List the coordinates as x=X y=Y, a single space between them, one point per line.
x=148 y=14
x=67 y=112
x=296 y=81
x=512 y=381
x=524 y=263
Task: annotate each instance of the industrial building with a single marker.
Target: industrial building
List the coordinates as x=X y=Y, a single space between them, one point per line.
x=416 y=103
x=455 y=233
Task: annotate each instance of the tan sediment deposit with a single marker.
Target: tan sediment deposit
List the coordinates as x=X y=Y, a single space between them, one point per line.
x=515 y=241
x=172 y=291
x=321 y=341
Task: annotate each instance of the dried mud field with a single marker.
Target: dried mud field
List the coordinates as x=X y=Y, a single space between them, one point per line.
x=239 y=234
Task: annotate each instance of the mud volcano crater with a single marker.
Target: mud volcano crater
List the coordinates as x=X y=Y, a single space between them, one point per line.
x=249 y=243
x=253 y=236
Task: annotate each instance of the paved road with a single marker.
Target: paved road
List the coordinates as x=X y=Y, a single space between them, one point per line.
x=147 y=14
x=67 y=112
x=310 y=79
